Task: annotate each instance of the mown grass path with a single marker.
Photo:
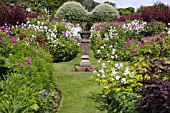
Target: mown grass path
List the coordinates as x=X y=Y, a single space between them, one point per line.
x=78 y=89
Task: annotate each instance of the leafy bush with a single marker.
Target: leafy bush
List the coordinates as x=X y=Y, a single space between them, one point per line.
x=32 y=74
x=156 y=13
x=12 y=14
x=134 y=34
x=154 y=28
x=156 y=89
x=122 y=102
x=72 y=11
x=104 y=12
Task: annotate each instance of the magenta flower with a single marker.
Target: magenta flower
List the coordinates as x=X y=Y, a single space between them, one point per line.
x=126 y=46
x=9 y=31
x=159 y=40
x=28 y=61
x=133 y=54
x=153 y=39
x=130 y=41
x=19 y=64
x=140 y=45
x=2 y=39
x=163 y=37
x=133 y=49
x=14 y=40
x=138 y=68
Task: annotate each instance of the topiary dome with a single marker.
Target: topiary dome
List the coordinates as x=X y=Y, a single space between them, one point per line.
x=72 y=11
x=104 y=12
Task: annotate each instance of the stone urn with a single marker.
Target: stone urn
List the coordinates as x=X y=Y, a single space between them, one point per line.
x=85 y=64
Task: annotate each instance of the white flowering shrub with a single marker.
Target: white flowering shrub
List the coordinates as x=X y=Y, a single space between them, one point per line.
x=61 y=40
x=72 y=11
x=104 y=12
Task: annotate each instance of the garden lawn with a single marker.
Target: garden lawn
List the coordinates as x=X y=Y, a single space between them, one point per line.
x=79 y=91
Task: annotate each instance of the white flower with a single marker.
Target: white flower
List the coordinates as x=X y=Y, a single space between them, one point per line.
x=95 y=72
x=102 y=47
x=103 y=65
x=132 y=74
x=117 y=77
x=114 y=72
x=110 y=46
x=108 y=61
x=113 y=51
x=123 y=80
x=168 y=31
x=119 y=65
x=38 y=22
x=126 y=72
x=99 y=59
x=98 y=51
x=112 y=57
x=112 y=79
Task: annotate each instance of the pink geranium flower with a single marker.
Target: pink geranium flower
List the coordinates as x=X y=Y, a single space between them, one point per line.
x=14 y=40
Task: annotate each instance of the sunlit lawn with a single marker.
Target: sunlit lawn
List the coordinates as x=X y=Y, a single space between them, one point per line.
x=78 y=89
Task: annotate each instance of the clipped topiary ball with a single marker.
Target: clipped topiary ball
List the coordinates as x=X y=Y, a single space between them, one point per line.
x=72 y=11
x=104 y=12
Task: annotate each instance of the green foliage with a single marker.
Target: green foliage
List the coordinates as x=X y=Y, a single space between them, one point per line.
x=65 y=49
x=154 y=28
x=122 y=102
x=72 y=11
x=32 y=73
x=104 y=12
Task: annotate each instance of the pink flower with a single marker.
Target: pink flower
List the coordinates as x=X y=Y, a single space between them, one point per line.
x=28 y=61
x=140 y=45
x=133 y=54
x=14 y=40
x=133 y=49
x=9 y=31
x=19 y=64
x=2 y=39
x=130 y=41
x=126 y=46
x=159 y=40
x=138 y=68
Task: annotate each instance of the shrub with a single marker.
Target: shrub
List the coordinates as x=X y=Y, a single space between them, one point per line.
x=154 y=28
x=72 y=11
x=32 y=74
x=104 y=12
x=156 y=13
x=12 y=14
x=155 y=91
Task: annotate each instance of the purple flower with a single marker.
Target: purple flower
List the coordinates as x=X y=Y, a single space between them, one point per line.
x=19 y=64
x=140 y=45
x=133 y=54
x=9 y=31
x=43 y=95
x=63 y=32
x=153 y=39
x=130 y=41
x=28 y=61
x=2 y=39
x=14 y=40
x=163 y=36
